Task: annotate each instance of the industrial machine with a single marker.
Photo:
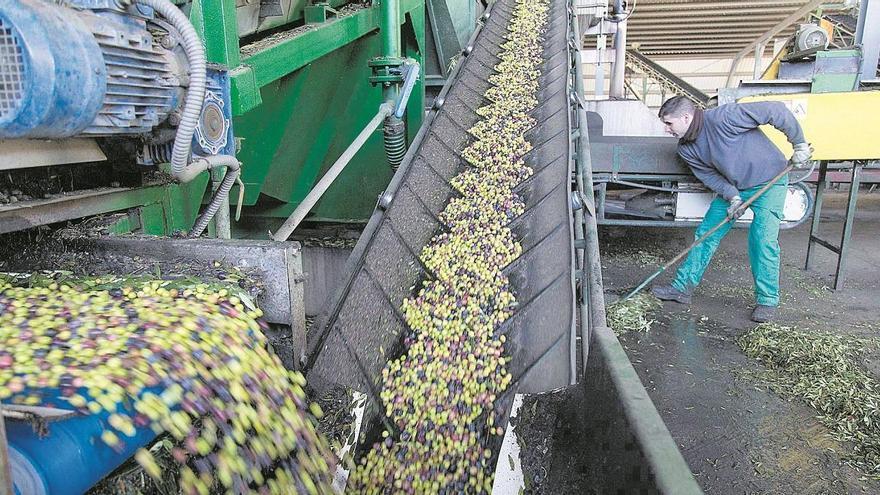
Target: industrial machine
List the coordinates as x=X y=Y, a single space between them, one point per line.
x=640 y=180
x=150 y=111
x=283 y=86
x=274 y=113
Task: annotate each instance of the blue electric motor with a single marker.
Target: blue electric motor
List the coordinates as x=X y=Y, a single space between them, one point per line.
x=67 y=71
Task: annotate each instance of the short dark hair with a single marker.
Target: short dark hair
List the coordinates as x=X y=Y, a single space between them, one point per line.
x=676 y=106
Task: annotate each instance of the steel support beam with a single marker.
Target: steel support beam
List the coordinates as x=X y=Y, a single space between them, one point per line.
x=675 y=32
x=788 y=21
x=734 y=36
x=617 y=89
x=721 y=13
x=759 y=55
x=729 y=20
x=678 y=6
x=216 y=22
x=736 y=45
x=689 y=54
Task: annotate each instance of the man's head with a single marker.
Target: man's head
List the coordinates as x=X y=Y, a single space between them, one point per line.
x=677 y=113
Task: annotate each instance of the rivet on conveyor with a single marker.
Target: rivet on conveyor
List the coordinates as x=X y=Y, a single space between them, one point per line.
x=385 y=200
x=467 y=51
x=438 y=103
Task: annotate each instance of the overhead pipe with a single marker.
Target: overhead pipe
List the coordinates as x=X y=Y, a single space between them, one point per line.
x=617 y=89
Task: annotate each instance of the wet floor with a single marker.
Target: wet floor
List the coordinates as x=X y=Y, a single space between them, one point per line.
x=736 y=436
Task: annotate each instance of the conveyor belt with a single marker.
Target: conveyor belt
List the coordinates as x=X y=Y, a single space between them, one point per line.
x=384 y=268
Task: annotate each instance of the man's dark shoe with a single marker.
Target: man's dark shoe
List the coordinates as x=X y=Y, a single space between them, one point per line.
x=670 y=293
x=763 y=314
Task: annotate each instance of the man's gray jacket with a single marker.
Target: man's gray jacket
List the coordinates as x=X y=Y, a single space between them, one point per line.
x=730 y=153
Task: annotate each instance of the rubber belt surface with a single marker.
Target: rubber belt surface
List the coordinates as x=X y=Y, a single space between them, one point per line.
x=384 y=268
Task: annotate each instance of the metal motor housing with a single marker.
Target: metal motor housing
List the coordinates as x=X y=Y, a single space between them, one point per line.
x=81 y=72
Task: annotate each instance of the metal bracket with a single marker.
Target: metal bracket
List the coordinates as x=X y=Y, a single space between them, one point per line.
x=318 y=13
x=411 y=72
x=387 y=70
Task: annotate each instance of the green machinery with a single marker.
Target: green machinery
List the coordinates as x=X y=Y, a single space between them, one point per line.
x=304 y=78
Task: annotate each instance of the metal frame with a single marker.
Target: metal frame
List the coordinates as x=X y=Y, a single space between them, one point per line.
x=5 y=470
x=667 y=80
x=842 y=249
x=671 y=473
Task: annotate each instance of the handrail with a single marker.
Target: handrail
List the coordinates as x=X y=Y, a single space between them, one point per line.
x=587 y=235
x=666 y=78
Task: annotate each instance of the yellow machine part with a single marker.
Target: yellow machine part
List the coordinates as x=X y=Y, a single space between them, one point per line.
x=840 y=126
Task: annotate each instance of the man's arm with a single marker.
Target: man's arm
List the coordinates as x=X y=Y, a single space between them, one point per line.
x=709 y=175
x=742 y=117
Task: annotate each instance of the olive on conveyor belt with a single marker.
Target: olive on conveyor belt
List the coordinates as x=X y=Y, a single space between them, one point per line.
x=440 y=394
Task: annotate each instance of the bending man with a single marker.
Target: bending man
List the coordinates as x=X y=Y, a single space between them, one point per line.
x=729 y=154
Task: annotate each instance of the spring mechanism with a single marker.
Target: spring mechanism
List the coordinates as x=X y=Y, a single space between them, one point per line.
x=395 y=141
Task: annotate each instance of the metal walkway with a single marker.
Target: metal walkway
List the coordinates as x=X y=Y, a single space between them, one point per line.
x=667 y=80
x=384 y=268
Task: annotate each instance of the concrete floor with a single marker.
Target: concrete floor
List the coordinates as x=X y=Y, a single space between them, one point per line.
x=735 y=436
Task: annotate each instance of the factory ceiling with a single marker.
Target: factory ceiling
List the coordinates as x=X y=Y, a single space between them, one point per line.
x=678 y=28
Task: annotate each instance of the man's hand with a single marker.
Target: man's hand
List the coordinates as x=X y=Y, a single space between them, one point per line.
x=735 y=210
x=802 y=154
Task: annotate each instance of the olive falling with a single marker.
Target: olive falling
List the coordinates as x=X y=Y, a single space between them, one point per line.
x=192 y=362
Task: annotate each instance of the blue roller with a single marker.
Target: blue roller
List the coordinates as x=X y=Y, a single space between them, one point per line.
x=54 y=73
x=71 y=457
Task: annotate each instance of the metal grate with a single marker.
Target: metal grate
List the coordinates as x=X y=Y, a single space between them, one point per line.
x=11 y=71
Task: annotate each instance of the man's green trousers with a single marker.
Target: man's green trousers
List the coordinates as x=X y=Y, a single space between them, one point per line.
x=763 y=243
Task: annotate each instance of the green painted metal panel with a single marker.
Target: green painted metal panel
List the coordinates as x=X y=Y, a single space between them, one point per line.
x=309 y=116
x=835 y=71
x=306 y=121
x=450 y=25
x=221 y=39
x=162 y=210
x=286 y=56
